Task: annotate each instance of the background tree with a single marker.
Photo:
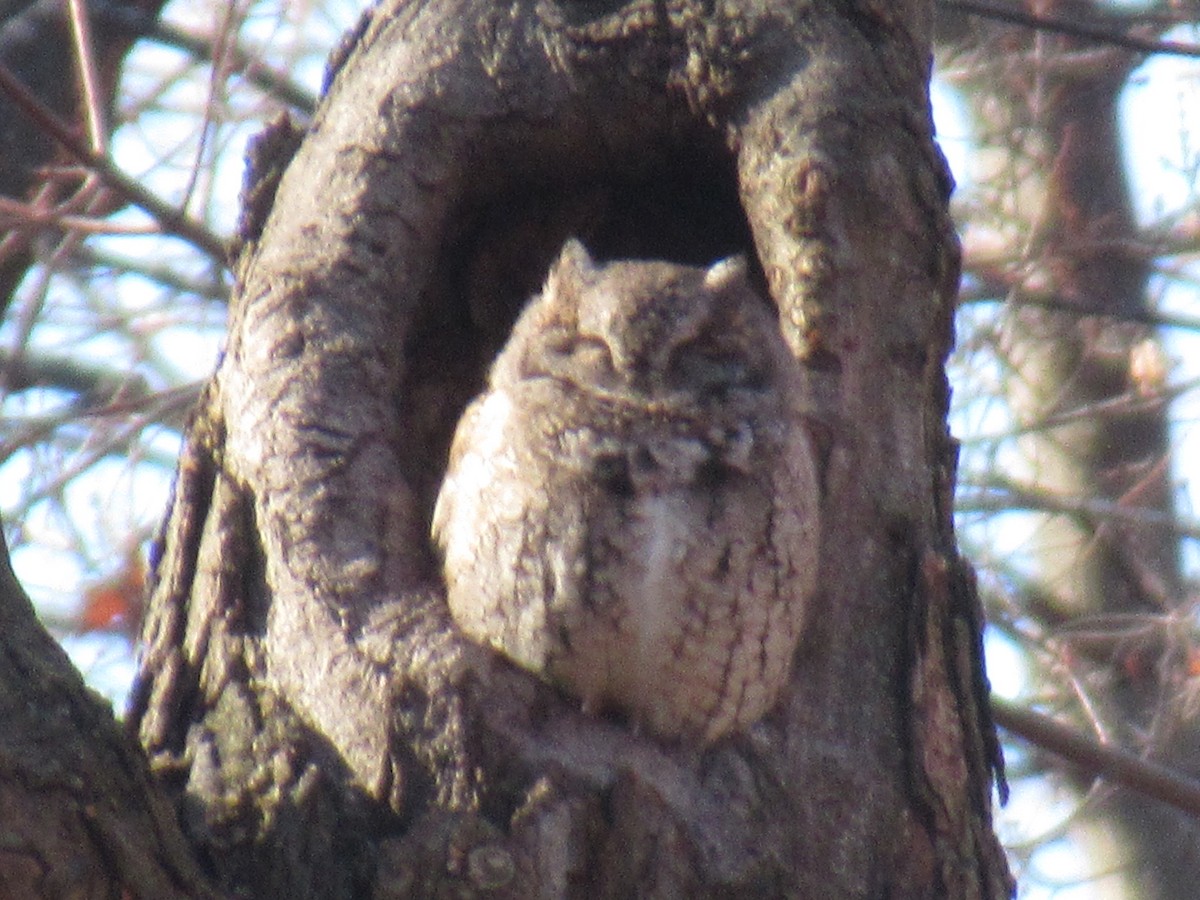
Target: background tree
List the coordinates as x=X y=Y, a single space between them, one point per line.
x=1096 y=594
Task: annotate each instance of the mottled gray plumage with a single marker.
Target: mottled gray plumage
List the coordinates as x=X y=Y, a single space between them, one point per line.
x=630 y=508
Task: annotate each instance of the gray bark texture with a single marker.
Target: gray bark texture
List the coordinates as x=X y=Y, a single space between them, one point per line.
x=304 y=697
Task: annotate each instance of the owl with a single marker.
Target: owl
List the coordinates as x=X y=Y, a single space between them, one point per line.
x=630 y=509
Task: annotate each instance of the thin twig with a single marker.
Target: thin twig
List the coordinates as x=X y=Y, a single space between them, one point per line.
x=81 y=34
x=1004 y=12
x=245 y=61
x=999 y=494
x=172 y=220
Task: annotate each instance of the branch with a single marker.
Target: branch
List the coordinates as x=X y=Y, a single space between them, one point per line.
x=172 y=220
x=999 y=494
x=1117 y=765
x=94 y=384
x=992 y=288
x=1003 y=12
x=249 y=63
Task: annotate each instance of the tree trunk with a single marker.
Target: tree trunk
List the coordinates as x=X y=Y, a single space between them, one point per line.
x=323 y=729
x=81 y=815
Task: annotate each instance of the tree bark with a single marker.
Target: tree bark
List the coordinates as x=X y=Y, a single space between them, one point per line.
x=324 y=729
x=82 y=817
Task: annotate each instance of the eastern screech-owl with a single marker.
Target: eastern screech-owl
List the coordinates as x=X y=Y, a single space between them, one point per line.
x=630 y=508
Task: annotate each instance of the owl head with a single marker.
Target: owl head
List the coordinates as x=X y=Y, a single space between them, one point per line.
x=650 y=327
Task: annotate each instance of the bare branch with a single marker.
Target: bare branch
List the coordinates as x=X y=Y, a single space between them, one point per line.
x=1121 y=766
x=173 y=221
x=245 y=61
x=1004 y=12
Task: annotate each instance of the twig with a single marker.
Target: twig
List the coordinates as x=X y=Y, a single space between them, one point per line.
x=81 y=34
x=248 y=62
x=172 y=220
x=1120 y=766
x=1004 y=12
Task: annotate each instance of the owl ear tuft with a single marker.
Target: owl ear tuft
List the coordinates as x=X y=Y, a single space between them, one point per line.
x=574 y=258
x=573 y=267
x=725 y=272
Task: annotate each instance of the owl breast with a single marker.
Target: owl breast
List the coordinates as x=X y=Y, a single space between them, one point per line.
x=650 y=552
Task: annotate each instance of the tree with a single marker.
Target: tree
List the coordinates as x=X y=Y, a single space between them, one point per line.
x=1105 y=606
x=309 y=709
